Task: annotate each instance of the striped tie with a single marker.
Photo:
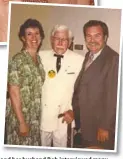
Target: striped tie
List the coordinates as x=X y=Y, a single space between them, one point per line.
x=89 y=61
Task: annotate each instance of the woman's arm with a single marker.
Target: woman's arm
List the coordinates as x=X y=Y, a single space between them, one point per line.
x=14 y=92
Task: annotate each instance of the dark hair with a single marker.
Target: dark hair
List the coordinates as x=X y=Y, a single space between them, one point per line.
x=91 y=23
x=33 y=23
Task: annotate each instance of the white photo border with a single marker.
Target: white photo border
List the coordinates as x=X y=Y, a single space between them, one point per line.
x=119 y=79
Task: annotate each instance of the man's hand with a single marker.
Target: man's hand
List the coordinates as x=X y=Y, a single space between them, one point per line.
x=68 y=117
x=24 y=129
x=102 y=135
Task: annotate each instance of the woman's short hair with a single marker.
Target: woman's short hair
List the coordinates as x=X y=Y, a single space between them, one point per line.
x=31 y=23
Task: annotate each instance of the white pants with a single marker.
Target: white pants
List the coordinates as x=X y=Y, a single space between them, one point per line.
x=58 y=139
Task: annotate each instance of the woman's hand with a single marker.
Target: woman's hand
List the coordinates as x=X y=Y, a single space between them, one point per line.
x=23 y=129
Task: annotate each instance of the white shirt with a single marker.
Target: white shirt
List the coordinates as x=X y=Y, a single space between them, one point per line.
x=97 y=54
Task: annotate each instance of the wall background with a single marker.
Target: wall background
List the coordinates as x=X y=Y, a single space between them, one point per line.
x=33 y=153
x=73 y=17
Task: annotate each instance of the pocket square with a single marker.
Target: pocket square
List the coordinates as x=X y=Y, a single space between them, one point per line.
x=70 y=72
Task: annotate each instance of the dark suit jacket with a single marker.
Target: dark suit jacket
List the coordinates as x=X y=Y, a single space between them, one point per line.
x=95 y=95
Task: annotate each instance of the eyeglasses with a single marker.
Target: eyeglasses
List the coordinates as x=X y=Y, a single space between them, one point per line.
x=61 y=39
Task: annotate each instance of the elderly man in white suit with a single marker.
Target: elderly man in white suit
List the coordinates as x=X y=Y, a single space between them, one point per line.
x=62 y=67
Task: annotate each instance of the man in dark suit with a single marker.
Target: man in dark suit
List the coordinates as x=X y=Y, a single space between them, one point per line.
x=95 y=92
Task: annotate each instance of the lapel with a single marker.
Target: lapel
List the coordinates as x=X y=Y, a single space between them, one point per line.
x=93 y=70
x=49 y=62
x=81 y=72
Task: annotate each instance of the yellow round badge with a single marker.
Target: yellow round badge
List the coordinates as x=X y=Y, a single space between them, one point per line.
x=51 y=73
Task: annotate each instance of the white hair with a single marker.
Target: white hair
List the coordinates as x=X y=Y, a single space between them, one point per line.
x=62 y=28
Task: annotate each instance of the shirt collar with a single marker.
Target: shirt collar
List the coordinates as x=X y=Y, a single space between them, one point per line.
x=97 y=54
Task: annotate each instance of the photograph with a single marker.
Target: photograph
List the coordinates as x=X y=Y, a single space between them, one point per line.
x=4 y=5
x=63 y=77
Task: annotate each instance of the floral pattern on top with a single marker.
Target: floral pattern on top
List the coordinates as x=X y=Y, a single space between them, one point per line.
x=23 y=72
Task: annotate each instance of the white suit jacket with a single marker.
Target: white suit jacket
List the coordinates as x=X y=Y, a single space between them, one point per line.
x=57 y=91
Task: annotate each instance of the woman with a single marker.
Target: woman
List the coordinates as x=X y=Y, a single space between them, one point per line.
x=25 y=79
